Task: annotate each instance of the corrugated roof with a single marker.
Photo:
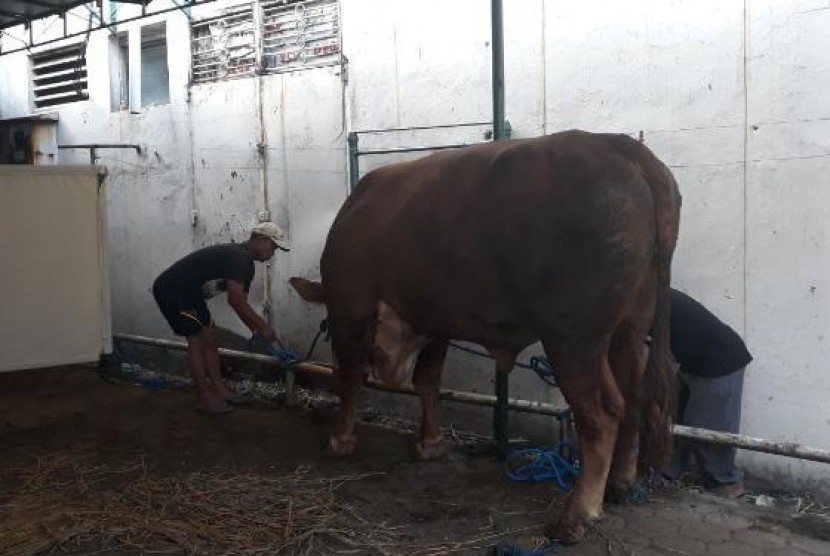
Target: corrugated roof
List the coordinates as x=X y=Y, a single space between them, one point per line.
x=15 y=12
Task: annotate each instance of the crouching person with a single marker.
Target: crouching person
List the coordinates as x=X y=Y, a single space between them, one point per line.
x=182 y=289
x=712 y=359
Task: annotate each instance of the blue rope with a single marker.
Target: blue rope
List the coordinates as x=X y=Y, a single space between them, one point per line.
x=637 y=495
x=510 y=548
x=535 y=465
x=543 y=369
x=538 y=364
x=285 y=357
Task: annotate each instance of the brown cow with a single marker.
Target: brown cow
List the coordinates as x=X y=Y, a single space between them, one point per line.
x=566 y=238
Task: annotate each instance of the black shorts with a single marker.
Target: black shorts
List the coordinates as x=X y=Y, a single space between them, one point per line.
x=186 y=314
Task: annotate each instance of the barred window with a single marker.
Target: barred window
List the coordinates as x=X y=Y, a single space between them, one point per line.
x=59 y=76
x=281 y=35
x=224 y=46
x=300 y=34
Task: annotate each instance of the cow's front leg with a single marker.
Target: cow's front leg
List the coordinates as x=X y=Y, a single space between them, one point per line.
x=427 y=382
x=352 y=358
x=348 y=381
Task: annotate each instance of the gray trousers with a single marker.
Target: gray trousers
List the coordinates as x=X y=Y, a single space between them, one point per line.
x=709 y=403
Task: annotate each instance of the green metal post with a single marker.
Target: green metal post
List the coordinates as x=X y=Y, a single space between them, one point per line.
x=499 y=127
x=499 y=132
x=354 y=168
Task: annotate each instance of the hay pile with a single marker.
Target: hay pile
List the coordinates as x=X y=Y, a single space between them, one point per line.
x=72 y=503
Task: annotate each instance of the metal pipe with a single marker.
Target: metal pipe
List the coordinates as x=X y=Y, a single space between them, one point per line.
x=422 y=127
x=525 y=406
x=354 y=164
x=499 y=133
x=93 y=149
x=102 y=146
x=497 y=23
x=789 y=449
x=412 y=149
x=312 y=368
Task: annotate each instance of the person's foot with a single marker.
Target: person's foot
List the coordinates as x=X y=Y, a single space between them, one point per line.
x=236 y=399
x=212 y=405
x=730 y=490
x=221 y=391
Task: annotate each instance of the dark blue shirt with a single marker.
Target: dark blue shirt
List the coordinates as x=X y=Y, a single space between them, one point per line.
x=204 y=273
x=701 y=343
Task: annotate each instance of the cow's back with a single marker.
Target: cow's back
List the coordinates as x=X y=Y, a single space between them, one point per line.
x=395 y=223
x=468 y=244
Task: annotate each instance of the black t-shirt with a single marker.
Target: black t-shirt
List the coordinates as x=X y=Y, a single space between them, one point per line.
x=204 y=273
x=702 y=344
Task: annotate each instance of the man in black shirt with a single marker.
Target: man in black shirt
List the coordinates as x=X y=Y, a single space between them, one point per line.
x=181 y=290
x=712 y=358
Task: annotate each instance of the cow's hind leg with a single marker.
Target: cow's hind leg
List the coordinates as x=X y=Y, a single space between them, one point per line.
x=627 y=359
x=427 y=382
x=590 y=389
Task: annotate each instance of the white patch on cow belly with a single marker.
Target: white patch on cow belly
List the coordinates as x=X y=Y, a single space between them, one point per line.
x=396 y=347
x=400 y=374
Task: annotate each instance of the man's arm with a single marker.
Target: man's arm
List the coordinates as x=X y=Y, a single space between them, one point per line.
x=238 y=300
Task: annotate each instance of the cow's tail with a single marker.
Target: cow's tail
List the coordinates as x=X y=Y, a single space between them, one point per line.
x=659 y=391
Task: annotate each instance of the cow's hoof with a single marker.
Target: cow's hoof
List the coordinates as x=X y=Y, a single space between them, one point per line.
x=565 y=531
x=342 y=445
x=618 y=492
x=431 y=448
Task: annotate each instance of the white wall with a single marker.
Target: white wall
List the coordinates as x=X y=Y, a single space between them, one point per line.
x=732 y=95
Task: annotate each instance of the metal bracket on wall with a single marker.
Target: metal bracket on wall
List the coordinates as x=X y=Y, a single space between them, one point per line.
x=93 y=148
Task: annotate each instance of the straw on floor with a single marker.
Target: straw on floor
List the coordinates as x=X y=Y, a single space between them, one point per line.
x=73 y=503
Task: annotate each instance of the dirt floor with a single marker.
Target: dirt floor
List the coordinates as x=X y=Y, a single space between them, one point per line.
x=103 y=467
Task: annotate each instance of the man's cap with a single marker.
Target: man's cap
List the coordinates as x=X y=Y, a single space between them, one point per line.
x=272 y=232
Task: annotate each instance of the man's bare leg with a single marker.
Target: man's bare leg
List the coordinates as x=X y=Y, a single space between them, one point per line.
x=198 y=366
x=213 y=366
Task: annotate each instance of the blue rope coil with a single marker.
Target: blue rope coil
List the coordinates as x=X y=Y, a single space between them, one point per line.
x=536 y=465
x=509 y=548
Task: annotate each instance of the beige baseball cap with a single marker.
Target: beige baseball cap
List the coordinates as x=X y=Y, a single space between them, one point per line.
x=272 y=232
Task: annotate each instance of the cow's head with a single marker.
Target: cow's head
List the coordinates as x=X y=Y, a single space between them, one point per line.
x=309 y=290
x=395 y=347
x=393 y=344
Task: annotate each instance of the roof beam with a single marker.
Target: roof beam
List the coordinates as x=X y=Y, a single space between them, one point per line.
x=45 y=4
x=182 y=5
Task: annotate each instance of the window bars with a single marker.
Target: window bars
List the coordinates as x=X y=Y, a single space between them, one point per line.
x=268 y=36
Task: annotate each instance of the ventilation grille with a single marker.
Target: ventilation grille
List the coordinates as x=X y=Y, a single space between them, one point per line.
x=59 y=76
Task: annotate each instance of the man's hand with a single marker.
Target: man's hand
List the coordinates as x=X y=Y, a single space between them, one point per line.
x=267 y=332
x=238 y=299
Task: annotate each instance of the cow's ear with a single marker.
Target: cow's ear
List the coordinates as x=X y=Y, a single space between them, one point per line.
x=308 y=289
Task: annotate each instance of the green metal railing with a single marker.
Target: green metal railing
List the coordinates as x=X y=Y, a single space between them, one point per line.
x=353 y=140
